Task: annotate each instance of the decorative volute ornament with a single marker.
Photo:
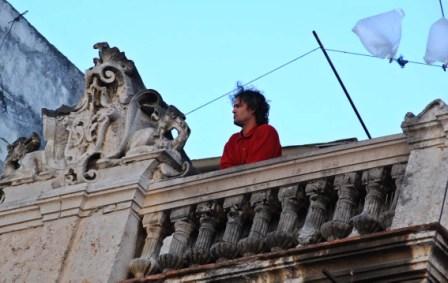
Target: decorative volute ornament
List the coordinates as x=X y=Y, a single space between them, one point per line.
x=117 y=121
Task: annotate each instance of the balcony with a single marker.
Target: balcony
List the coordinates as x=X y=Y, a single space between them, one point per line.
x=275 y=205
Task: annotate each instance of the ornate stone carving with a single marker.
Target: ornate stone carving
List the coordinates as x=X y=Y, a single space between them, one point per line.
x=293 y=200
x=265 y=205
x=237 y=209
x=320 y=196
x=377 y=182
x=209 y=216
x=347 y=187
x=17 y=151
x=155 y=225
x=183 y=227
x=117 y=121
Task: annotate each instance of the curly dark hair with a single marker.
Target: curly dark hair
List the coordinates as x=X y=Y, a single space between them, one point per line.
x=255 y=101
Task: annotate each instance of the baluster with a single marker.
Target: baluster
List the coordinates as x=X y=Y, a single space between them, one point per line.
x=369 y=220
x=293 y=200
x=320 y=196
x=264 y=204
x=397 y=174
x=237 y=207
x=183 y=227
x=347 y=187
x=156 y=227
x=209 y=214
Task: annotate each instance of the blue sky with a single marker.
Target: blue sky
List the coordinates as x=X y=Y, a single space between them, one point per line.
x=193 y=51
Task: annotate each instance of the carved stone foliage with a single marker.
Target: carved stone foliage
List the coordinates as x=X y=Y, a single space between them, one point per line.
x=348 y=189
x=378 y=184
x=320 y=195
x=116 y=121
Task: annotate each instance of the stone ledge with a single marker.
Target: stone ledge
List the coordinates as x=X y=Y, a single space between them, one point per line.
x=417 y=252
x=81 y=204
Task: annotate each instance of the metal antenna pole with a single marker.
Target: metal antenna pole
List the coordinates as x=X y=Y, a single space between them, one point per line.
x=342 y=85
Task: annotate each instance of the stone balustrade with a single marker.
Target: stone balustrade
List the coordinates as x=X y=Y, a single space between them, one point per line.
x=272 y=205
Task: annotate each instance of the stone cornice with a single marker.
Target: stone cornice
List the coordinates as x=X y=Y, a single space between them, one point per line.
x=117 y=188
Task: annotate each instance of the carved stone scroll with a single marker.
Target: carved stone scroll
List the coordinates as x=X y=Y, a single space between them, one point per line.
x=377 y=186
x=347 y=187
x=293 y=200
x=320 y=196
x=265 y=205
x=183 y=227
x=155 y=225
x=237 y=208
x=210 y=214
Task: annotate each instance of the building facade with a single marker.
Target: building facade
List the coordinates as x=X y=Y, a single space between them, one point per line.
x=113 y=197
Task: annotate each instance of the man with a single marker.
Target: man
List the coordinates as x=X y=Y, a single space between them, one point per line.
x=257 y=140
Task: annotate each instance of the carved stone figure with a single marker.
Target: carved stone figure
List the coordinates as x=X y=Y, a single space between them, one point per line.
x=17 y=150
x=117 y=120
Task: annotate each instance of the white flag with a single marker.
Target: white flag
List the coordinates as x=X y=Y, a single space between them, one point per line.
x=437 y=46
x=381 y=34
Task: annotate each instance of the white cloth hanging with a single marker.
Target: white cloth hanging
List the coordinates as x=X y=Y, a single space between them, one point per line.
x=437 y=46
x=381 y=34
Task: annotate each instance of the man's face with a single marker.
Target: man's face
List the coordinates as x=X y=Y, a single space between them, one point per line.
x=241 y=113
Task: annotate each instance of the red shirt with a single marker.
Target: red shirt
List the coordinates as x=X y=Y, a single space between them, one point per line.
x=261 y=143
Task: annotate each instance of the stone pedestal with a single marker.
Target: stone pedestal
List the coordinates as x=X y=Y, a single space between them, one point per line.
x=423 y=193
x=80 y=233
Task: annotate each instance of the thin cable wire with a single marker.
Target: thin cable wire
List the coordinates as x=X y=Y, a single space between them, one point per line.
x=11 y=24
x=441 y=8
x=254 y=80
x=6 y=34
x=367 y=55
x=4 y=140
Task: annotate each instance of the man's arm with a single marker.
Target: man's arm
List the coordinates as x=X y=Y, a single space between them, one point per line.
x=226 y=158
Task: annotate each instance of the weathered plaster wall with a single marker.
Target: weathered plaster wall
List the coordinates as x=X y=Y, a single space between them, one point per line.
x=33 y=75
x=36 y=254
x=96 y=248
x=102 y=247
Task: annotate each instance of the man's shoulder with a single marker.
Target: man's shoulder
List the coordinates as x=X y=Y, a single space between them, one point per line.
x=235 y=136
x=266 y=128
